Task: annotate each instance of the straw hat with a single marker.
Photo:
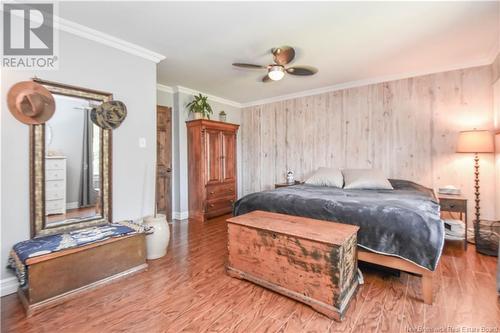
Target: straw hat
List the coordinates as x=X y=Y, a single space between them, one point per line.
x=30 y=103
x=109 y=115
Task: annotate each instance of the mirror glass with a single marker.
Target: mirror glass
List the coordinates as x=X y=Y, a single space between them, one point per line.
x=72 y=163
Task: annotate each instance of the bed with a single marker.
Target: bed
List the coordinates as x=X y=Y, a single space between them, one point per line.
x=399 y=228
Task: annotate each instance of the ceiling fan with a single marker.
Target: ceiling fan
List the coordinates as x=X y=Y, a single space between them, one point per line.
x=282 y=56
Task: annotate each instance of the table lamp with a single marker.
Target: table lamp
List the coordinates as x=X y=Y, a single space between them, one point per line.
x=476 y=141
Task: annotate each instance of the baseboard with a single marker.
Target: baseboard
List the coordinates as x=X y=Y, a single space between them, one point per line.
x=8 y=286
x=180 y=215
x=72 y=205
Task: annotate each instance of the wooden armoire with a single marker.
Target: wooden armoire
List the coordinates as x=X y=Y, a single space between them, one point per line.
x=212 y=173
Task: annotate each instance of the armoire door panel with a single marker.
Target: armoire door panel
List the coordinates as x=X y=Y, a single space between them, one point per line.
x=213 y=155
x=228 y=156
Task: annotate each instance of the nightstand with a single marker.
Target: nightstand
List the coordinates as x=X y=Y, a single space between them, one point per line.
x=455 y=204
x=297 y=182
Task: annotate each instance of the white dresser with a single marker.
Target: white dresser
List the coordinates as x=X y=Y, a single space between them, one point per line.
x=55 y=185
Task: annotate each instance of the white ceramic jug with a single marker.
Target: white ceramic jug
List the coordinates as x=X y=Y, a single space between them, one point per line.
x=157 y=241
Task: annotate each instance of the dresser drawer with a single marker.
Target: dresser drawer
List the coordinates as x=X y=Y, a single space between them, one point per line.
x=220 y=191
x=54 y=194
x=452 y=205
x=55 y=164
x=54 y=212
x=55 y=174
x=219 y=207
x=54 y=185
x=55 y=206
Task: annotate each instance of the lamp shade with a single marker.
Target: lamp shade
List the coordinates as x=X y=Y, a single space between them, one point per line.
x=475 y=141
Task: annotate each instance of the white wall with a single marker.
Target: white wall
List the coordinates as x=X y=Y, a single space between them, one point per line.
x=179 y=148
x=87 y=64
x=164 y=98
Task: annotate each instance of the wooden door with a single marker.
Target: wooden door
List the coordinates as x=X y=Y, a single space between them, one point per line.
x=228 y=156
x=164 y=161
x=213 y=157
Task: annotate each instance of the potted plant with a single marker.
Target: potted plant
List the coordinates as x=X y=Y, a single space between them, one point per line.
x=199 y=107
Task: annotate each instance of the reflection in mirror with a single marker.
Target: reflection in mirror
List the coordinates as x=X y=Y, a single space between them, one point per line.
x=72 y=163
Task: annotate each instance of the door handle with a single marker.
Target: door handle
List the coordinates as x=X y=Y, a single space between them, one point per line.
x=164 y=172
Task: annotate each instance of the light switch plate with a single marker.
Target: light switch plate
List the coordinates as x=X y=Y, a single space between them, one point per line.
x=142 y=142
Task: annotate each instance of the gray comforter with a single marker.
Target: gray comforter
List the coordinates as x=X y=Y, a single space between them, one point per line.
x=403 y=222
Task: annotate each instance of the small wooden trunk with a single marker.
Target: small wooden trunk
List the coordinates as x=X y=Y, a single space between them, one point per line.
x=309 y=260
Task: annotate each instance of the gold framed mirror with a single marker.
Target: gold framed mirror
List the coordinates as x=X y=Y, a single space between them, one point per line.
x=70 y=164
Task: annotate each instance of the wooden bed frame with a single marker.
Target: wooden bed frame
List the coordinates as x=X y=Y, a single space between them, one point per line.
x=403 y=265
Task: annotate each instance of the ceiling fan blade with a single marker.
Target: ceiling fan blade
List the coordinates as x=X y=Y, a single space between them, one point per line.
x=283 y=55
x=266 y=79
x=302 y=70
x=238 y=64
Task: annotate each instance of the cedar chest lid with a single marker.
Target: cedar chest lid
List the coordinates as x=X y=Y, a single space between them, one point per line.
x=301 y=227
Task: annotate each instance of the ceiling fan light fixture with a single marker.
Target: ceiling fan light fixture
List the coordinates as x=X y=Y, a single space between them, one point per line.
x=276 y=73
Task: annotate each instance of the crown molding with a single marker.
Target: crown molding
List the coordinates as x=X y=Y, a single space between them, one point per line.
x=360 y=83
x=185 y=90
x=189 y=91
x=83 y=31
x=164 y=88
x=108 y=40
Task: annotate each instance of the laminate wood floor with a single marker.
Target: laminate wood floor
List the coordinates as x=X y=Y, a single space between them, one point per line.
x=76 y=213
x=188 y=291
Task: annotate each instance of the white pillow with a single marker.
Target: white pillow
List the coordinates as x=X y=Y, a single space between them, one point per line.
x=365 y=179
x=327 y=177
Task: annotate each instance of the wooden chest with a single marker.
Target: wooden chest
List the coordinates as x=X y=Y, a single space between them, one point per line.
x=56 y=277
x=309 y=260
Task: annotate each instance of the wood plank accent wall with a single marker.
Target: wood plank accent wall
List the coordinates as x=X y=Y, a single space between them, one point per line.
x=496 y=68
x=408 y=128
